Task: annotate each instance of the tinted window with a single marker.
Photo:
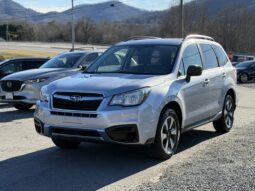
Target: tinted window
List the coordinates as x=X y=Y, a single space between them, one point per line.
x=32 y=64
x=209 y=56
x=90 y=58
x=191 y=56
x=11 y=67
x=222 y=57
x=113 y=62
x=245 y=64
x=147 y=59
x=63 y=61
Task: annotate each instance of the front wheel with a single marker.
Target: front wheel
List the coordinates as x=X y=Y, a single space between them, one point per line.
x=225 y=123
x=65 y=144
x=167 y=136
x=23 y=106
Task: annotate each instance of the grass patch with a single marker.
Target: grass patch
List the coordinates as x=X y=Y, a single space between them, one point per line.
x=7 y=54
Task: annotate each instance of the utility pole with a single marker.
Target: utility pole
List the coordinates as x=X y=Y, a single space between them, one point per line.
x=7 y=31
x=73 y=26
x=182 y=18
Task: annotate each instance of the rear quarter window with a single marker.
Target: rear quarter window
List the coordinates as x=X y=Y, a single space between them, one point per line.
x=209 y=56
x=221 y=55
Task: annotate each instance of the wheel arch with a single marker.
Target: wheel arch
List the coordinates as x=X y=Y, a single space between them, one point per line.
x=176 y=107
x=232 y=93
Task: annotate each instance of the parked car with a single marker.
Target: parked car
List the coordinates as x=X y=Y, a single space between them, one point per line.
x=245 y=71
x=242 y=58
x=234 y=63
x=144 y=92
x=11 y=66
x=22 y=89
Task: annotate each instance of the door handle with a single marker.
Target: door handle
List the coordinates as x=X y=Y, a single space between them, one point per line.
x=206 y=82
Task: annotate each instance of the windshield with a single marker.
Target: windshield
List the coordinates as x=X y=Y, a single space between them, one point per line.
x=63 y=61
x=144 y=60
x=243 y=64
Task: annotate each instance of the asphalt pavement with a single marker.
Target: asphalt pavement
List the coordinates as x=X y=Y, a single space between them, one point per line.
x=205 y=160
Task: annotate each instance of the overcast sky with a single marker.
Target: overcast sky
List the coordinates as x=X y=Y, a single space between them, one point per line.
x=60 y=5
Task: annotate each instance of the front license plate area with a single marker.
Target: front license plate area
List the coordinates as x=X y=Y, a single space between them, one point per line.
x=9 y=96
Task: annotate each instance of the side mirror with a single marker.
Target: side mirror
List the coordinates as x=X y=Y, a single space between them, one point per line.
x=193 y=70
x=82 y=67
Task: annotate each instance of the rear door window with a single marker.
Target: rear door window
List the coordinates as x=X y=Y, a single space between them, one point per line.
x=12 y=67
x=209 y=56
x=29 y=64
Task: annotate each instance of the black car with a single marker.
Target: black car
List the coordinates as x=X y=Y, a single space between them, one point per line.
x=20 y=64
x=245 y=71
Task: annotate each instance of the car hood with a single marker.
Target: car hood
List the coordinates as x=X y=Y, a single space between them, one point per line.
x=106 y=84
x=35 y=73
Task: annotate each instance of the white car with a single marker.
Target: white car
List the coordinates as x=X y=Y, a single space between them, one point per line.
x=22 y=89
x=144 y=92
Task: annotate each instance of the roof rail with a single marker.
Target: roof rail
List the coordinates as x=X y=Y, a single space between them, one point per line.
x=197 y=36
x=142 y=37
x=83 y=48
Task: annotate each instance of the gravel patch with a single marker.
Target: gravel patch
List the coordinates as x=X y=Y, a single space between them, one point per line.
x=228 y=163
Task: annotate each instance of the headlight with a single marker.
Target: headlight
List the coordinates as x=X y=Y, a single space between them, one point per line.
x=130 y=98
x=37 y=80
x=44 y=96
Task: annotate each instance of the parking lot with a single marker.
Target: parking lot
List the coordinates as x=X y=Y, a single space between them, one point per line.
x=205 y=160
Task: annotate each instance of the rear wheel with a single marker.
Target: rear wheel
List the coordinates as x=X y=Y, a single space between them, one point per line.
x=167 y=136
x=65 y=144
x=244 y=78
x=23 y=106
x=225 y=123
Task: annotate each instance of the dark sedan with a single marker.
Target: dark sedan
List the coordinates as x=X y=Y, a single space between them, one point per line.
x=11 y=66
x=245 y=71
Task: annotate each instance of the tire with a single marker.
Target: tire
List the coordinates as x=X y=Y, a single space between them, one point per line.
x=166 y=141
x=225 y=123
x=65 y=144
x=244 y=78
x=23 y=106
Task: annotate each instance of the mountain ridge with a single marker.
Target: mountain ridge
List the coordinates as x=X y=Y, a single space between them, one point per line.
x=110 y=11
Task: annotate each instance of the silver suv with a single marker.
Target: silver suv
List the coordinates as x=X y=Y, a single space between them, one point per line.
x=142 y=91
x=22 y=89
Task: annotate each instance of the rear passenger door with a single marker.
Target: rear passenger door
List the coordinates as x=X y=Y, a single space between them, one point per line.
x=195 y=93
x=215 y=77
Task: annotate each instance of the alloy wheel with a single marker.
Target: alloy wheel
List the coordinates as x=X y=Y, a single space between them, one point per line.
x=229 y=113
x=169 y=135
x=244 y=78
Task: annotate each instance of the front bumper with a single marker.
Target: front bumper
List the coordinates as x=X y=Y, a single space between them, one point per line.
x=28 y=94
x=130 y=125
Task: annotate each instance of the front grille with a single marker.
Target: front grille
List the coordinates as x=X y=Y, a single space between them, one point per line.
x=86 y=101
x=84 y=115
x=11 y=85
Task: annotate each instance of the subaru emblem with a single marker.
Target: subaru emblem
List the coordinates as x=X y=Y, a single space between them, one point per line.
x=75 y=98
